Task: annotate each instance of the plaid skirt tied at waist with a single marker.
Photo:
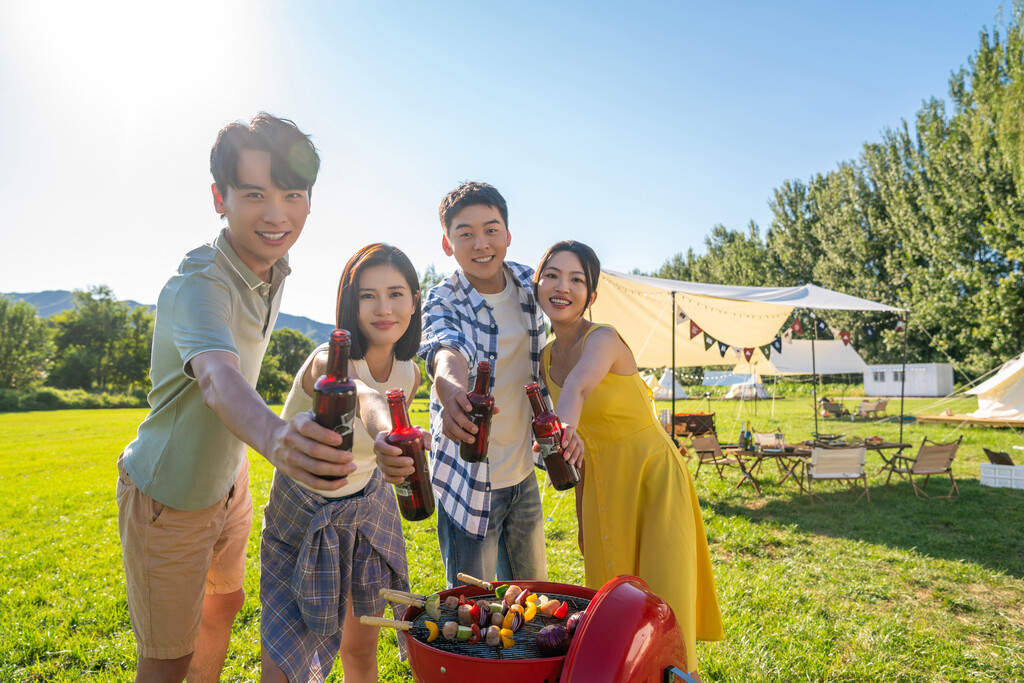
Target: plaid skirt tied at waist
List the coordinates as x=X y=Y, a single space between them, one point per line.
x=316 y=552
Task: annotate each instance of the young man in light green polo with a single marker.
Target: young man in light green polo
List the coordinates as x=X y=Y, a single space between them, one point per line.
x=184 y=509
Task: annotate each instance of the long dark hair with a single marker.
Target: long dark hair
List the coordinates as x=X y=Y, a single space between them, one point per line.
x=588 y=259
x=347 y=308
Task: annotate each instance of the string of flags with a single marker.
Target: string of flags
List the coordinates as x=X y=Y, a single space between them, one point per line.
x=786 y=336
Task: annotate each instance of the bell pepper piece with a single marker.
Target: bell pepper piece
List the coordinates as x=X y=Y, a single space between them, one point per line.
x=506 y=623
x=562 y=611
x=499 y=592
x=464 y=633
x=474 y=611
x=532 y=597
x=432 y=631
x=474 y=637
x=506 y=638
x=531 y=611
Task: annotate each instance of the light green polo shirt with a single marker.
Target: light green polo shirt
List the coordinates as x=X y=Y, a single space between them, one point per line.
x=183 y=455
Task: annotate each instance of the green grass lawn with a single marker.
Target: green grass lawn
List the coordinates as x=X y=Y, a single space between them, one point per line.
x=895 y=589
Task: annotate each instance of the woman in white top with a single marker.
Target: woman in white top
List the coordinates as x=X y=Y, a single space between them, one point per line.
x=325 y=555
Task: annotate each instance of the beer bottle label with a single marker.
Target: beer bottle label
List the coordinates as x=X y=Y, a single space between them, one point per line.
x=403 y=490
x=549 y=446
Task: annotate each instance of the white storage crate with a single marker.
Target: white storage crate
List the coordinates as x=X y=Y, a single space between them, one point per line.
x=1003 y=476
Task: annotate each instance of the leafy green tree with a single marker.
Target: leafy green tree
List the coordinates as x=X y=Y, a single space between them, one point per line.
x=87 y=337
x=133 y=350
x=732 y=257
x=291 y=348
x=429 y=278
x=273 y=383
x=26 y=347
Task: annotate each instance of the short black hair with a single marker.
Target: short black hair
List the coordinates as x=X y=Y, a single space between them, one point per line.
x=588 y=259
x=347 y=308
x=294 y=161
x=470 y=193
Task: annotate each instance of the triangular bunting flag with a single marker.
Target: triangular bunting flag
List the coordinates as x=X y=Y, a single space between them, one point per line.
x=845 y=336
x=708 y=341
x=747 y=353
x=694 y=329
x=722 y=348
x=869 y=330
x=767 y=348
x=797 y=327
x=835 y=331
x=787 y=337
x=821 y=326
x=776 y=344
x=681 y=318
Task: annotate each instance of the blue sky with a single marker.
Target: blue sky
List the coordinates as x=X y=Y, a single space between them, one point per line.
x=633 y=127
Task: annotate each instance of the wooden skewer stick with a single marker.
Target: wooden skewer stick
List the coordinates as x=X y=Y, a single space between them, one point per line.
x=381 y=621
x=402 y=597
x=473 y=581
x=431 y=604
x=393 y=595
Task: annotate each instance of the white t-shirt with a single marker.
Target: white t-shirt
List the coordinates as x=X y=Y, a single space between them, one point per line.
x=509 y=448
x=403 y=374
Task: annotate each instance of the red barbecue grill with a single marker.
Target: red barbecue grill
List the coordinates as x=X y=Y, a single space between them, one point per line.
x=629 y=634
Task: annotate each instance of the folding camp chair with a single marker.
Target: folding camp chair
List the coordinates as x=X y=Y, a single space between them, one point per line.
x=833 y=408
x=837 y=464
x=932 y=458
x=873 y=409
x=709 y=452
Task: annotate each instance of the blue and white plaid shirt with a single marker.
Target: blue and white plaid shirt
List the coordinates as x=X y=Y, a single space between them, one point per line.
x=452 y=319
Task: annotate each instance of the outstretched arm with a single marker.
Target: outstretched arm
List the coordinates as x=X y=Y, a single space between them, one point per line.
x=300 y=448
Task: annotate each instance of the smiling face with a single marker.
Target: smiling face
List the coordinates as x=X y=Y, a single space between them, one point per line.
x=562 y=288
x=479 y=239
x=386 y=305
x=263 y=220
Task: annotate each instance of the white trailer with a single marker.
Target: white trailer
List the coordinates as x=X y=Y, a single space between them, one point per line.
x=923 y=379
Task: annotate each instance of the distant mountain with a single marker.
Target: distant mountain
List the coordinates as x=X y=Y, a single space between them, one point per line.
x=54 y=301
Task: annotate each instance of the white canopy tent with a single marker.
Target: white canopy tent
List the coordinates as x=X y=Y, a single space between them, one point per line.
x=654 y=316
x=829 y=357
x=1002 y=395
x=657 y=317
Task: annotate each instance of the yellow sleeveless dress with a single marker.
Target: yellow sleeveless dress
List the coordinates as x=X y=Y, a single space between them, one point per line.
x=640 y=510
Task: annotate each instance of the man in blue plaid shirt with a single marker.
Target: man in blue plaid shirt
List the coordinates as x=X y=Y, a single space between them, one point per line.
x=489 y=514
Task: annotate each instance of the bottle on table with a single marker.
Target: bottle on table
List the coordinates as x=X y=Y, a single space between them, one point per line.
x=334 y=393
x=547 y=429
x=743 y=435
x=480 y=414
x=415 y=495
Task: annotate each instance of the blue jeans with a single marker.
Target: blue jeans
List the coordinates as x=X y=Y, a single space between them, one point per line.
x=512 y=549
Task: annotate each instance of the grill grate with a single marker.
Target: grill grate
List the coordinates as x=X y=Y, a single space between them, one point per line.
x=525 y=638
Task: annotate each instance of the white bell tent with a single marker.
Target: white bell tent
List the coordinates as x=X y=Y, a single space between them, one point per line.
x=1002 y=395
x=669 y=388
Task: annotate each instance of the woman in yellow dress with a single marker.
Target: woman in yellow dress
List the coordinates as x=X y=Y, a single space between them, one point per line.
x=637 y=507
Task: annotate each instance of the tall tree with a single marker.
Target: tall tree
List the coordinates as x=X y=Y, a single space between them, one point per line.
x=86 y=337
x=26 y=346
x=291 y=348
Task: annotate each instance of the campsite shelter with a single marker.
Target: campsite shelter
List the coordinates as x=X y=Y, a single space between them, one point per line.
x=1002 y=395
x=669 y=388
x=656 y=316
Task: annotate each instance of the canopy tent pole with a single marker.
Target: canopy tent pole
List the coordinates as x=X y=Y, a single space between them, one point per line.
x=814 y=376
x=903 y=380
x=672 y=331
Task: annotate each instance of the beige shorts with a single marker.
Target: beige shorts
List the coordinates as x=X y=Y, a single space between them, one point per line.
x=172 y=558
